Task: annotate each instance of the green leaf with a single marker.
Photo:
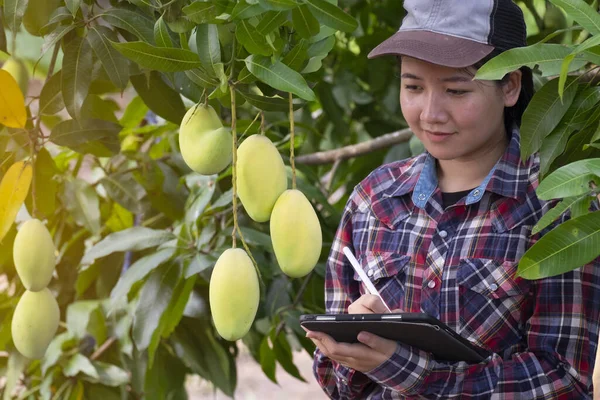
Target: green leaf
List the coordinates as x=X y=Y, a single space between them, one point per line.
x=159 y=97
x=543 y=114
x=138 y=24
x=199 y=263
x=212 y=362
x=54 y=350
x=166 y=379
x=138 y=271
x=172 y=315
x=133 y=239
x=571 y=180
x=51 y=100
x=201 y=12
x=77 y=135
x=581 y=12
x=270 y=21
x=80 y=363
x=134 y=113
x=270 y=103
x=81 y=200
x=161 y=34
x=155 y=297
x=297 y=56
x=78 y=316
x=55 y=36
x=331 y=15
x=571 y=245
x=98 y=392
x=202 y=188
x=115 y=65
x=244 y=10
x=305 y=23
x=279 y=76
x=165 y=59
x=46 y=186
x=252 y=41
x=125 y=190
x=201 y=78
x=73 y=6
x=278 y=5
x=548 y=58
x=283 y=353
x=95 y=107
x=109 y=375
x=13 y=13
x=208 y=47
x=267 y=359
x=16 y=365
x=76 y=72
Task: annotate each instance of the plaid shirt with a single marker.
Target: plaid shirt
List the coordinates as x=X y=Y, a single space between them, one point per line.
x=459 y=266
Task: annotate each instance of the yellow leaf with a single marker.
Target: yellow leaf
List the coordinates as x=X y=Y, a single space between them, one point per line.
x=12 y=102
x=13 y=191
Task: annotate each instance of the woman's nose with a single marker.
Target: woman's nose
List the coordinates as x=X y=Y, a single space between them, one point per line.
x=432 y=111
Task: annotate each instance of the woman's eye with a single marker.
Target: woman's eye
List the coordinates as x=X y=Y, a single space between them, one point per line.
x=457 y=92
x=411 y=87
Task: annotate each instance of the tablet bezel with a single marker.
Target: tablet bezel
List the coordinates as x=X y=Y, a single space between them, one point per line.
x=423 y=331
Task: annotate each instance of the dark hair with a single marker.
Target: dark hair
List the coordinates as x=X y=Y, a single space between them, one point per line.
x=512 y=115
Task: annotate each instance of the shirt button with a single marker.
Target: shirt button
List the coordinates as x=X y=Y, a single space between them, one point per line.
x=370 y=272
x=476 y=192
x=422 y=196
x=493 y=287
x=443 y=234
x=431 y=284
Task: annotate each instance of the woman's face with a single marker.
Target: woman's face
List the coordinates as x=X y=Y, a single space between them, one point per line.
x=455 y=117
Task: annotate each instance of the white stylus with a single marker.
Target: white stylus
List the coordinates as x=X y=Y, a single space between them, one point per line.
x=370 y=287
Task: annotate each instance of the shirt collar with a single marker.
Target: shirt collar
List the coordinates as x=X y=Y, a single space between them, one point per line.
x=509 y=177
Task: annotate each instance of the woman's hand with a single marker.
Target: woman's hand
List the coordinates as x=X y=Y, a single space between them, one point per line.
x=367 y=304
x=365 y=356
x=370 y=353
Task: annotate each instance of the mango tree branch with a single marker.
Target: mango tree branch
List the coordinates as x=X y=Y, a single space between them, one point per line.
x=355 y=150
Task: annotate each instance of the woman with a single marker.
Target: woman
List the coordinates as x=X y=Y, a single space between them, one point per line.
x=443 y=232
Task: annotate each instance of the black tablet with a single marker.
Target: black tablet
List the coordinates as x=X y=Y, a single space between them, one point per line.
x=415 y=329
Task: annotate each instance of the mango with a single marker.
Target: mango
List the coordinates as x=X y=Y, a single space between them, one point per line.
x=38 y=14
x=35 y=323
x=204 y=142
x=18 y=70
x=234 y=294
x=34 y=255
x=295 y=234
x=261 y=176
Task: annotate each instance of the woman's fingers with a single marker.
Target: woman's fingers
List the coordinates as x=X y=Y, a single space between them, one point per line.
x=367 y=304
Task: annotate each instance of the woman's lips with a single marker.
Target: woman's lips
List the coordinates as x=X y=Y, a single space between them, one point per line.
x=437 y=136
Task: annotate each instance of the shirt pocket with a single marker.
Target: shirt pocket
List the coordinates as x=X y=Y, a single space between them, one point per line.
x=492 y=302
x=387 y=271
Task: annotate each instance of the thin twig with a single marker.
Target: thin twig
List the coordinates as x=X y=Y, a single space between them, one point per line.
x=103 y=348
x=355 y=150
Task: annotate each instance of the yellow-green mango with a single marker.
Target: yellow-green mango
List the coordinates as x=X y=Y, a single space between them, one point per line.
x=35 y=322
x=234 y=294
x=295 y=234
x=34 y=255
x=18 y=70
x=204 y=142
x=38 y=14
x=261 y=176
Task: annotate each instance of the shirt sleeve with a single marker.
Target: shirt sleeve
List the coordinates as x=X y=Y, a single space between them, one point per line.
x=561 y=338
x=341 y=290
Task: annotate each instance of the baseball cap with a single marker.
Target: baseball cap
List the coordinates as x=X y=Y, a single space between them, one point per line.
x=455 y=33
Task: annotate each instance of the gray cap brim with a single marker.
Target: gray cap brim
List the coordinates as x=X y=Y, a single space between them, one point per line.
x=433 y=47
